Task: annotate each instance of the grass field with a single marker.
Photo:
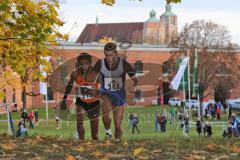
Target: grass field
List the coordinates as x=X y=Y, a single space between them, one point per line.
x=146 y=125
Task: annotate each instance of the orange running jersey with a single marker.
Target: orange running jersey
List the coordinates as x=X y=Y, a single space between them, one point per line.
x=84 y=90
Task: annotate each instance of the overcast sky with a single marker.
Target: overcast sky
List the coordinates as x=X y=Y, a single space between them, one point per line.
x=225 y=12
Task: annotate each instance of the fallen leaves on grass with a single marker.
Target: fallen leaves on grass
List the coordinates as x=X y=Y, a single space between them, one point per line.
x=79 y=149
x=223 y=157
x=97 y=154
x=235 y=149
x=138 y=151
x=8 y=146
x=194 y=157
x=157 y=151
x=213 y=146
x=69 y=157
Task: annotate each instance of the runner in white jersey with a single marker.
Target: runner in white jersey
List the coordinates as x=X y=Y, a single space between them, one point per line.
x=113 y=70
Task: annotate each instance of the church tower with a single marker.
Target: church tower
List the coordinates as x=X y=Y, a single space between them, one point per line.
x=168 y=25
x=151 y=29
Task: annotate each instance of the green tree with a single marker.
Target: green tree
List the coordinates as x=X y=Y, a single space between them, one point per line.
x=27 y=29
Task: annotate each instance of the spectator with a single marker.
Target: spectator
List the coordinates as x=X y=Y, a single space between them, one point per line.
x=173 y=115
x=208 y=129
x=163 y=121
x=225 y=133
x=206 y=112
x=224 y=107
x=58 y=121
x=219 y=104
x=199 y=127
x=130 y=120
x=186 y=125
x=31 y=118
x=212 y=111
x=218 y=113
x=24 y=116
x=180 y=117
x=21 y=131
x=229 y=129
x=135 y=121
x=36 y=115
x=156 y=120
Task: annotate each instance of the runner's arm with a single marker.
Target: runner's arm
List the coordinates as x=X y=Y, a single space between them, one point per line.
x=69 y=86
x=131 y=72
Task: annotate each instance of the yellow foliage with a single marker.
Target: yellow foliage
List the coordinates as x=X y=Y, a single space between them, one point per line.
x=79 y=149
x=125 y=144
x=2 y=95
x=235 y=149
x=97 y=154
x=69 y=157
x=105 y=40
x=8 y=146
x=138 y=151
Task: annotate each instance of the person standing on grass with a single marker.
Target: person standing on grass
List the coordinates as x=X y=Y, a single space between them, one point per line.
x=24 y=116
x=87 y=102
x=36 y=115
x=199 y=127
x=208 y=129
x=58 y=122
x=130 y=120
x=31 y=119
x=186 y=125
x=156 y=122
x=162 y=122
x=172 y=115
x=135 y=121
x=218 y=111
x=113 y=70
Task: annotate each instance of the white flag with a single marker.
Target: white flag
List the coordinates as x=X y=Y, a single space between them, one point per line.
x=43 y=85
x=177 y=79
x=43 y=88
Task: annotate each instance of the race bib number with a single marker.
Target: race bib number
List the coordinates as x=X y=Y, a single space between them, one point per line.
x=113 y=84
x=84 y=92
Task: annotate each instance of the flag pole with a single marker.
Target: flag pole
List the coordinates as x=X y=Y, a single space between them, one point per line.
x=46 y=101
x=189 y=88
x=184 y=92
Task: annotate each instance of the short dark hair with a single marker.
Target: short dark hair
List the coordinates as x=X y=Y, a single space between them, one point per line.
x=110 y=47
x=84 y=55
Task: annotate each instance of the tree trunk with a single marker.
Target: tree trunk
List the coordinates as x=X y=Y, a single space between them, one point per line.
x=24 y=97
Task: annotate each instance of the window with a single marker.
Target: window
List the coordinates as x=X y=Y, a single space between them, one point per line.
x=222 y=70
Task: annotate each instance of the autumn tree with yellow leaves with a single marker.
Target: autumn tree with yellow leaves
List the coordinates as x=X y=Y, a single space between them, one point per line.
x=27 y=28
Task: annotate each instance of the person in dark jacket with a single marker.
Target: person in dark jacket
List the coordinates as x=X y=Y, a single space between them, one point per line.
x=135 y=121
x=36 y=115
x=208 y=129
x=163 y=121
x=24 y=116
x=199 y=127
